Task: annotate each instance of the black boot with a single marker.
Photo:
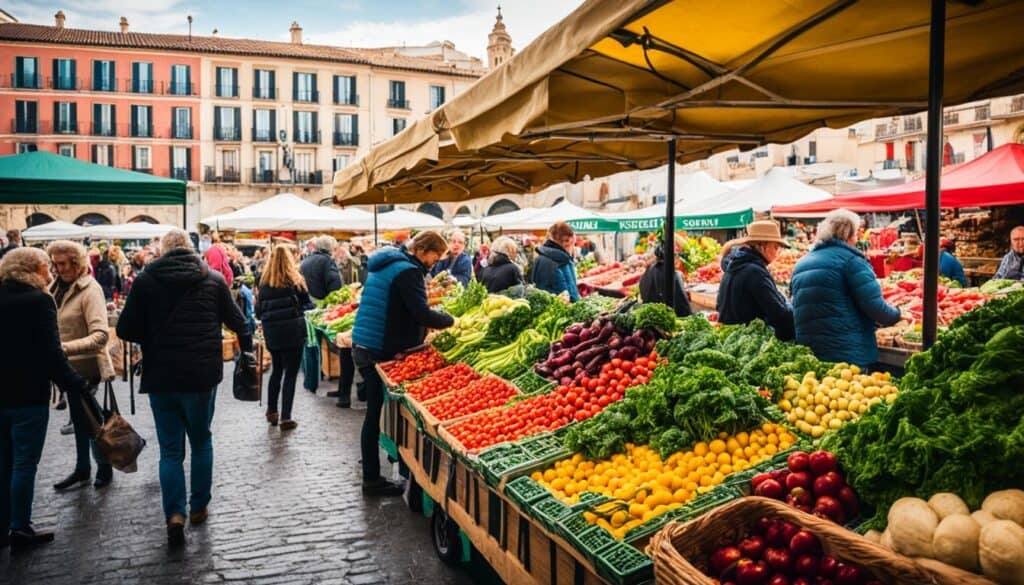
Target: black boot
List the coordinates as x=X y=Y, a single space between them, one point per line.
x=30 y=537
x=72 y=480
x=361 y=392
x=104 y=475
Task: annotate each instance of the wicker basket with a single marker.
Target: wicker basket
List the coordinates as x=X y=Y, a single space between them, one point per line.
x=680 y=551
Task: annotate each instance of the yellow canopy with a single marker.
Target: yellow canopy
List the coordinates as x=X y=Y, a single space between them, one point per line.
x=602 y=90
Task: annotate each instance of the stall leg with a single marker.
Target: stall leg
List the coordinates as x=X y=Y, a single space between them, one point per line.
x=669 y=241
x=933 y=172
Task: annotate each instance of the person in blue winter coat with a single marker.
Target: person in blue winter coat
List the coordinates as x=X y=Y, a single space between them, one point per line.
x=949 y=265
x=393 y=317
x=553 y=270
x=837 y=302
x=457 y=263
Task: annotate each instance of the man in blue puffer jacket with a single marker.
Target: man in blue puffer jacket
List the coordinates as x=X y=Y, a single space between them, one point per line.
x=553 y=270
x=836 y=300
x=393 y=317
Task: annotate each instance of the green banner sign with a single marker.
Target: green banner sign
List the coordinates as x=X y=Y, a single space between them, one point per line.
x=738 y=219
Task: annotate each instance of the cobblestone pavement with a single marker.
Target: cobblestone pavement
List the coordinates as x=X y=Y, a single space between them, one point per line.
x=286 y=509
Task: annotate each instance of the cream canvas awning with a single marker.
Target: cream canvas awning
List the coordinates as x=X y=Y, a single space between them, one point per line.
x=595 y=94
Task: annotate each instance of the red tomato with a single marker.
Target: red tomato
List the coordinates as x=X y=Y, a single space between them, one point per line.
x=616 y=363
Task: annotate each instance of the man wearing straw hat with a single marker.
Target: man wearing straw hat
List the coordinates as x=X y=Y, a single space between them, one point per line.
x=748 y=290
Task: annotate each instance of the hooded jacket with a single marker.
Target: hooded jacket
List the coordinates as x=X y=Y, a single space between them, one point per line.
x=500 y=274
x=553 y=270
x=837 y=302
x=321 y=274
x=652 y=289
x=748 y=292
x=393 y=313
x=175 y=310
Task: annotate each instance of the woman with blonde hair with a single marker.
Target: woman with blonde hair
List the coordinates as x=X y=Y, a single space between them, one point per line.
x=283 y=298
x=31 y=357
x=82 y=316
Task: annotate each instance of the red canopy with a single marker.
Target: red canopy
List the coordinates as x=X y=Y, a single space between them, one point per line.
x=995 y=178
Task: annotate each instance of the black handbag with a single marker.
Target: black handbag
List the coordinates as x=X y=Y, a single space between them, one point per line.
x=115 y=438
x=246 y=385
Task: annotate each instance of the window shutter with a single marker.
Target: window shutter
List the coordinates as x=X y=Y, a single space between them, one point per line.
x=33 y=115
x=216 y=122
x=110 y=155
x=135 y=163
x=352 y=99
x=56 y=75
x=273 y=86
x=74 y=117
x=170 y=162
x=56 y=118
x=217 y=82
x=96 y=75
x=19 y=68
x=315 y=130
x=135 y=88
x=355 y=129
x=74 y=75
x=95 y=118
x=238 y=122
x=188 y=163
x=95 y=153
x=113 y=119
x=314 y=88
x=337 y=89
x=334 y=164
x=273 y=125
x=188 y=80
x=295 y=86
x=295 y=126
x=257 y=89
x=134 y=125
x=113 y=76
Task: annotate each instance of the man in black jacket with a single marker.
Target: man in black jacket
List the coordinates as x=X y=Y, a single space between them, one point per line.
x=319 y=270
x=748 y=290
x=175 y=310
x=652 y=286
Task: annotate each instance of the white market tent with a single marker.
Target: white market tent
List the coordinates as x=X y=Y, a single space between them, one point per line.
x=289 y=212
x=403 y=219
x=129 y=231
x=776 y=187
x=55 y=230
x=466 y=221
x=691 y=187
x=527 y=220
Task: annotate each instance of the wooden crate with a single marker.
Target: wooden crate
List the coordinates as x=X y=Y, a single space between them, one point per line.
x=330 y=362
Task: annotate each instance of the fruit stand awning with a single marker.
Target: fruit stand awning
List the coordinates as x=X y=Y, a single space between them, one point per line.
x=993 y=179
x=595 y=94
x=47 y=178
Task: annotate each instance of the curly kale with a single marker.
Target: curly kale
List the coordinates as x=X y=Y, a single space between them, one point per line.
x=539 y=300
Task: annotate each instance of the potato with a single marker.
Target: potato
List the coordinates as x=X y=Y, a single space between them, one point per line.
x=956 y=541
x=886 y=539
x=874 y=536
x=947 y=504
x=1006 y=505
x=982 y=517
x=912 y=524
x=1001 y=552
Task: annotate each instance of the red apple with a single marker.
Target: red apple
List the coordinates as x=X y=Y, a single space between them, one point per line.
x=798 y=479
x=769 y=488
x=779 y=560
x=788 y=529
x=799 y=497
x=827 y=567
x=751 y=574
x=723 y=557
x=775 y=537
x=757 y=479
x=821 y=462
x=804 y=543
x=779 y=579
x=828 y=484
x=752 y=547
x=797 y=461
x=806 y=565
x=802 y=581
x=849 y=575
x=850 y=501
x=830 y=508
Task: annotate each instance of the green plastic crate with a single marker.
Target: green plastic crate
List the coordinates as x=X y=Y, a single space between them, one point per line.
x=549 y=511
x=495 y=470
x=624 y=565
x=532 y=384
x=499 y=451
x=592 y=541
x=524 y=491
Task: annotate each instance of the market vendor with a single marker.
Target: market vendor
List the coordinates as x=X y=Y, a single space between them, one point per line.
x=837 y=301
x=652 y=285
x=949 y=265
x=553 y=269
x=393 y=317
x=909 y=256
x=457 y=263
x=748 y=291
x=1012 y=266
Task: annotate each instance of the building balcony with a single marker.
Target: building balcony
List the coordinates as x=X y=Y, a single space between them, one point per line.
x=264 y=93
x=148 y=171
x=16 y=81
x=141 y=86
x=310 y=96
x=263 y=135
x=395 y=104
x=141 y=131
x=308 y=177
x=227 y=134
x=179 y=88
x=64 y=83
x=1008 y=107
x=307 y=137
x=25 y=126
x=347 y=100
x=346 y=139
x=210 y=175
x=106 y=84
x=264 y=177
x=100 y=129
x=182 y=174
x=226 y=91
x=181 y=132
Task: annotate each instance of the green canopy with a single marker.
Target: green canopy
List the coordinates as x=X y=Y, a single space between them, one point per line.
x=43 y=177
x=718 y=221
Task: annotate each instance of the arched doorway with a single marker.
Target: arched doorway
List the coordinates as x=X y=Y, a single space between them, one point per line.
x=502 y=206
x=92 y=219
x=431 y=209
x=143 y=219
x=37 y=219
x=464 y=210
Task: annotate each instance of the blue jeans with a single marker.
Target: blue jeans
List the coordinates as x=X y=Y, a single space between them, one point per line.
x=22 y=434
x=178 y=414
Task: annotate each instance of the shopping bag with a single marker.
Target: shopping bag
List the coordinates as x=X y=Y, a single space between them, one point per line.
x=115 y=438
x=246 y=385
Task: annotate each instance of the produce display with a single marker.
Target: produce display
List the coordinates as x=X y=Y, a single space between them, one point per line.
x=615 y=276
x=443 y=287
x=845 y=394
x=780 y=553
x=957 y=424
x=645 y=485
x=341 y=296
x=442 y=382
x=782 y=267
x=908 y=296
x=811 y=482
x=481 y=394
x=989 y=541
x=335 y=319
x=710 y=273
x=1001 y=286
x=414 y=366
x=486 y=325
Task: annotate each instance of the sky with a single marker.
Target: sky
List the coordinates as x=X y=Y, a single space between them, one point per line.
x=356 y=23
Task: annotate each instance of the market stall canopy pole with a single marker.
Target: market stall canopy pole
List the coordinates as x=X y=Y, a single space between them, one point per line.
x=598 y=92
x=933 y=173
x=669 y=233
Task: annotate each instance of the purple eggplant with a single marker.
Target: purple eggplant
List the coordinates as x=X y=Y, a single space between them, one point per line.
x=615 y=342
x=629 y=352
x=586 y=356
x=586 y=334
x=556 y=347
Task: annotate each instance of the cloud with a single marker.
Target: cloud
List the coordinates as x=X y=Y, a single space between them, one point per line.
x=152 y=16
x=524 y=19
